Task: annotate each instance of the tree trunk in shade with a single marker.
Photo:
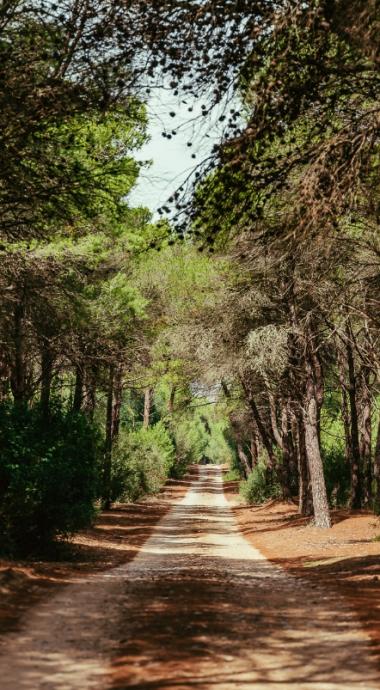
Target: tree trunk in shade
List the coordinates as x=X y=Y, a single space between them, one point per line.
x=78 y=390
x=147 y=406
x=18 y=375
x=107 y=467
x=365 y=435
x=376 y=471
x=305 y=501
x=356 y=497
x=46 y=378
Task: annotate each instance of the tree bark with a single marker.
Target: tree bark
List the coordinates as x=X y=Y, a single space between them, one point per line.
x=90 y=386
x=254 y=451
x=18 y=375
x=376 y=471
x=147 y=407
x=277 y=435
x=265 y=437
x=46 y=378
x=107 y=467
x=247 y=469
x=305 y=497
x=287 y=452
x=117 y=400
x=356 y=474
x=345 y=410
x=365 y=435
x=313 y=451
x=172 y=399
x=78 y=390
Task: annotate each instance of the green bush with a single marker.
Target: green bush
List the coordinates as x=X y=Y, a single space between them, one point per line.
x=48 y=476
x=257 y=488
x=336 y=467
x=142 y=462
x=191 y=441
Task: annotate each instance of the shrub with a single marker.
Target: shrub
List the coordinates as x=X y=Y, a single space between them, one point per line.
x=142 y=462
x=257 y=488
x=336 y=467
x=48 y=475
x=191 y=442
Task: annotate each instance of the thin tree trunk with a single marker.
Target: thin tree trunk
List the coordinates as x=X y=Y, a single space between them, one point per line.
x=277 y=435
x=172 y=399
x=345 y=410
x=106 y=494
x=18 y=375
x=376 y=471
x=356 y=475
x=117 y=400
x=46 y=378
x=90 y=386
x=147 y=407
x=78 y=390
x=286 y=469
x=313 y=451
x=305 y=500
x=265 y=437
x=365 y=436
x=247 y=469
x=254 y=451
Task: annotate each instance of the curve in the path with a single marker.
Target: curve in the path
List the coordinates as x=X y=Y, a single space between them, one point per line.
x=199 y=607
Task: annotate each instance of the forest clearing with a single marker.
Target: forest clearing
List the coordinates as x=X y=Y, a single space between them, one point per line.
x=189 y=344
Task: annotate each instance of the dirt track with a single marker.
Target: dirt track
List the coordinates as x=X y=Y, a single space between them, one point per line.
x=198 y=607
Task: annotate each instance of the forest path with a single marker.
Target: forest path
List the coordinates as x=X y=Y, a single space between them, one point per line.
x=199 y=607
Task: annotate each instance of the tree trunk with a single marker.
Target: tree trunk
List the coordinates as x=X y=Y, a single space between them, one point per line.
x=147 y=407
x=305 y=500
x=117 y=400
x=254 y=451
x=78 y=390
x=106 y=494
x=18 y=375
x=365 y=436
x=265 y=437
x=287 y=451
x=90 y=386
x=277 y=435
x=46 y=378
x=376 y=471
x=247 y=469
x=313 y=451
x=172 y=399
x=356 y=475
x=345 y=410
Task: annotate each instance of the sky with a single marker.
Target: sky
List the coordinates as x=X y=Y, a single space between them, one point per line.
x=172 y=160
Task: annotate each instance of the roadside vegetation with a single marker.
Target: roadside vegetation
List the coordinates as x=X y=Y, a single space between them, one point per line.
x=243 y=327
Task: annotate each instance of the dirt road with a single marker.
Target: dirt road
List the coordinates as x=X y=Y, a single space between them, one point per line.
x=198 y=607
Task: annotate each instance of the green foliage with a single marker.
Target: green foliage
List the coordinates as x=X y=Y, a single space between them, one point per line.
x=142 y=462
x=48 y=475
x=233 y=475
x=191 y=440
x=258 y=488
x=336 y=468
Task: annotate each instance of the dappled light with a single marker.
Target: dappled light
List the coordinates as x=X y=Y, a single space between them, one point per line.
x=189 y=344
x=198 y=606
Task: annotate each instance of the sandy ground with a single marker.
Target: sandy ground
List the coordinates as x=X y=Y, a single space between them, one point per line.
x=198 y=607
x=344 y=559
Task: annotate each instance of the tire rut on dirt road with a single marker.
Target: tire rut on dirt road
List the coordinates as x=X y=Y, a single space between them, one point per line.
x=199 y=607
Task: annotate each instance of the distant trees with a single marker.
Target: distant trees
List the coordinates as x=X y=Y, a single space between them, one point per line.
x=294 y=202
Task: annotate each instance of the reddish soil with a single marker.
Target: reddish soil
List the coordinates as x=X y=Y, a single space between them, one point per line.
x=115 y=539
x=345 y=559
x=199 y=606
